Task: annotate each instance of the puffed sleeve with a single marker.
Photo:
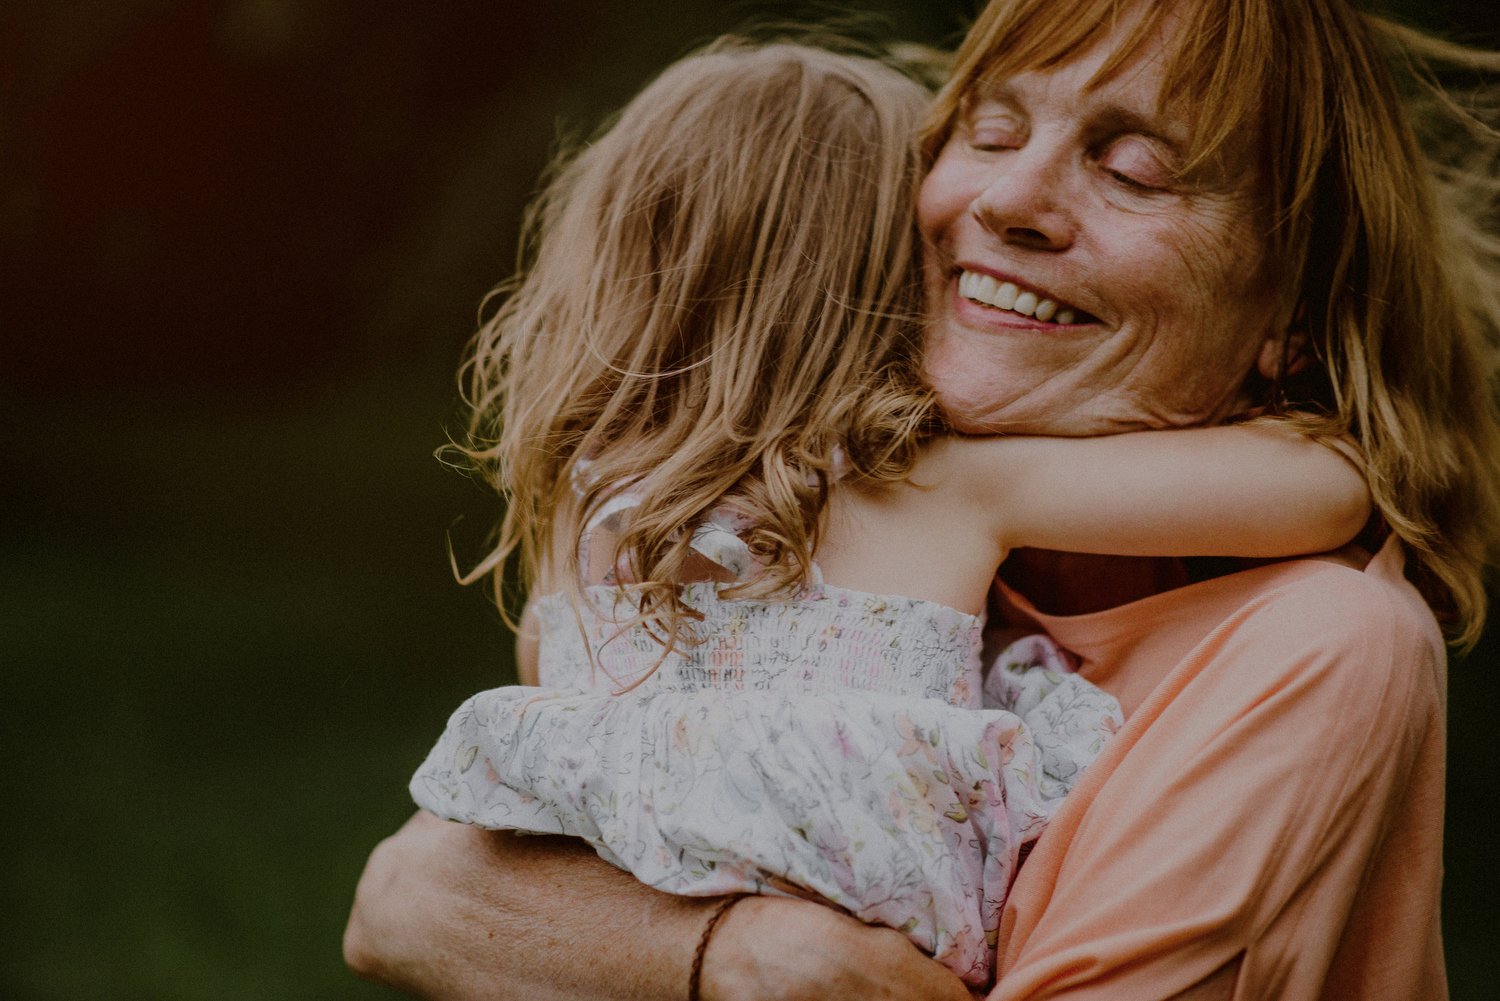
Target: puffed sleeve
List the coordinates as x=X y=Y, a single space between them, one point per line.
x=1276 y=799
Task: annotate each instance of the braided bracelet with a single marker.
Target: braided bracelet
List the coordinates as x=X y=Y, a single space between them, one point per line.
x=695 y=979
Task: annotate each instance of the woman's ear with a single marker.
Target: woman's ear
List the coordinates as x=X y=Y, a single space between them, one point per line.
x=1298 y=352
x=1288 y=355
x=1282 y=356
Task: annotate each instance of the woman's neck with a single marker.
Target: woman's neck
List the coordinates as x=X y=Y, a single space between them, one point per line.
x=1060 y=583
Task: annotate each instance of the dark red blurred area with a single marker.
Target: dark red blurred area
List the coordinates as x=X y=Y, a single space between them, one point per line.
x=192 y=204
x=206 y=196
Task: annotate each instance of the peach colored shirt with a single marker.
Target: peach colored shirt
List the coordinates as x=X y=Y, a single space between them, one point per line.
x=1276 y=793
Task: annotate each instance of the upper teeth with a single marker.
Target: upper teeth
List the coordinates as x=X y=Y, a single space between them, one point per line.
x=1006 y=295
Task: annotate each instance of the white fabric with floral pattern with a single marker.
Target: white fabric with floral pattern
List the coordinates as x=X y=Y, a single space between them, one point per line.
x=830 y=746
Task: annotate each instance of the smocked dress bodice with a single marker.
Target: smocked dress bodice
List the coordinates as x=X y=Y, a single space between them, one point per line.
x=826 y=639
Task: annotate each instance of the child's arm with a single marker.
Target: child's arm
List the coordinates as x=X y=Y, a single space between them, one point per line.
x=1226 y=491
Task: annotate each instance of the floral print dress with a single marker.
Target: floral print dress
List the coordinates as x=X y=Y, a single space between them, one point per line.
x=832 y=746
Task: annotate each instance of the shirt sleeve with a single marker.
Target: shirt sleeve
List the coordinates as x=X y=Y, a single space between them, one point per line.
x=1244 y=807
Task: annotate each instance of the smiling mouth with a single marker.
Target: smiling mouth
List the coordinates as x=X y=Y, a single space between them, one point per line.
x=987 y=290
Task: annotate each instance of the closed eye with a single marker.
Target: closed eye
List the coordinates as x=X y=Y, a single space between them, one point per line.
x=1130 y=182
x=1137 y=163
x=992 y=139
x=992 y=126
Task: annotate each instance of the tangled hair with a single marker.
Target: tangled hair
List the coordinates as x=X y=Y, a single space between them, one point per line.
x=1384 y=258
x=717 y=296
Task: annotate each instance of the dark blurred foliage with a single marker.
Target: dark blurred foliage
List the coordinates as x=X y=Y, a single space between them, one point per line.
x=241 y=246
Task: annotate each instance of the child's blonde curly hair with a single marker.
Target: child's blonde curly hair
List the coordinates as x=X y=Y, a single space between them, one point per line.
x=718 y=296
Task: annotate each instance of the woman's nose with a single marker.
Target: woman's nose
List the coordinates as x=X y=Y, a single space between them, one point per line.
x=1026 y=202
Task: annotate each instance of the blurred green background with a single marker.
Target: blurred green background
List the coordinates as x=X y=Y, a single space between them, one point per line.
x=241 y=246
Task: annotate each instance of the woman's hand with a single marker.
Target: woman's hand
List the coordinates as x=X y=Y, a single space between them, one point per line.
x=446 y=911
x=792 y=950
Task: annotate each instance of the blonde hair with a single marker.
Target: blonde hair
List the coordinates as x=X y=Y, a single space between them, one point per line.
x=1384 y=261
x=717 y=296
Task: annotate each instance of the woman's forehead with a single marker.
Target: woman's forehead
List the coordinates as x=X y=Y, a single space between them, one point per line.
x=1031 y=37
x=1176 y=71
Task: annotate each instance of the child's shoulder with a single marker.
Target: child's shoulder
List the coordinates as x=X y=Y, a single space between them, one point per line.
x=968 y=468
x=953 y=477
x=949 y=456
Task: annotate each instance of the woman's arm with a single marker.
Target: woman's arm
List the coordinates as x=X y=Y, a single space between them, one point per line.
x=1225 y=491
x=449 y=911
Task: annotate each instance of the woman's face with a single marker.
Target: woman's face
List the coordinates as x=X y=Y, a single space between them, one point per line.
x=1071 y=195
